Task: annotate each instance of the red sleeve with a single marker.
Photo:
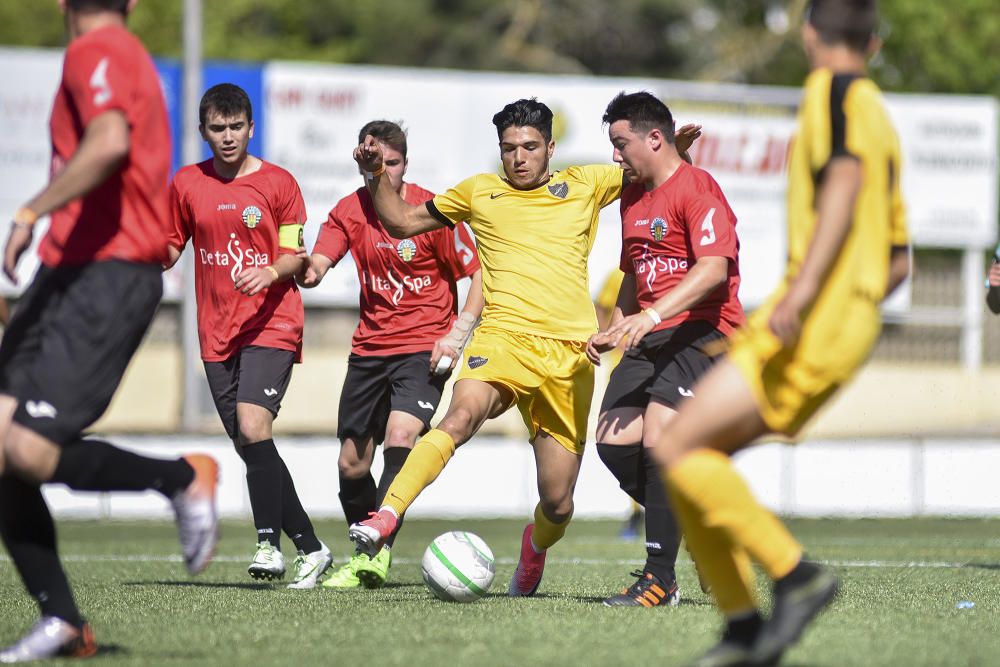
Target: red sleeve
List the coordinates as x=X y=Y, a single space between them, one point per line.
x=711 y=229
x=180 y=221
x=459 y=251
x=97 y=79
x=332 y=241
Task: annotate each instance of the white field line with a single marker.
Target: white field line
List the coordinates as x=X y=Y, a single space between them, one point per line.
x=173 y=558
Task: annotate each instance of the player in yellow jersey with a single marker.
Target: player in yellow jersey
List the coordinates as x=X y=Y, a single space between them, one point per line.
x=534 y=230
x=847 y=249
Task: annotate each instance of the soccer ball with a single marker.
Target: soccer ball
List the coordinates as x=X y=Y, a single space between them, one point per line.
x=458 y=567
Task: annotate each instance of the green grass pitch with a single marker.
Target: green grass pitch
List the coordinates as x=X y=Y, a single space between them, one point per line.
x=901 y=582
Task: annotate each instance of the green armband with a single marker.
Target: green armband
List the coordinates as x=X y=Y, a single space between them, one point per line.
x=290 y=236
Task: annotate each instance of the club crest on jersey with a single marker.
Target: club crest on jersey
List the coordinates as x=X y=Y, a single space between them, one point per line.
x=406 y=249
x=559 y=190
x=658 y=229
x=252 y=216
x=476 y=362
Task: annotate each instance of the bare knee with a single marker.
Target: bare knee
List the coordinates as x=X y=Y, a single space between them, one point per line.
x=460 y=423
x=401 y=436
x=557 y=510
x=254 y=422
x=353 y=468
x=29 y=455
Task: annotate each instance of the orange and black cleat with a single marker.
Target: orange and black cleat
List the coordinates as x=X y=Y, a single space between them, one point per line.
x=647 y=591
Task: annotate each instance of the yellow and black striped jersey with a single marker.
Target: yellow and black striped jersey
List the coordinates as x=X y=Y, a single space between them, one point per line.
x=844 y=115
x=533 y=246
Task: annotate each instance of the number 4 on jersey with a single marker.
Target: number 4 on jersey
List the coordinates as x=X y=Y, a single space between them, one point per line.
x=99 y=83
x=708 y=228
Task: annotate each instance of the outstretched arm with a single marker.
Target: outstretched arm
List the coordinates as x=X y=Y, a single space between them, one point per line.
x=400 y=219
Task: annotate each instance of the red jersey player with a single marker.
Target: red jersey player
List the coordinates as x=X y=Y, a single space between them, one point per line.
x=407 y=331
x=244 y=217
x=679 y=296
x=84 y=314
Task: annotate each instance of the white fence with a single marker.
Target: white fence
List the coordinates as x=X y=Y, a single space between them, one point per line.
x=493 y=477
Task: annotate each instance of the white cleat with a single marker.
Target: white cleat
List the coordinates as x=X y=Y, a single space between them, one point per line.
x=50 y=638
x=310 y=567
x=197 y=515
x=268 y=563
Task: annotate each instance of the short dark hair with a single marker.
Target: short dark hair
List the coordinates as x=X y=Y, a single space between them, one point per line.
x=525 y=113
x=643 y=111
x=227 y=100
x=849 y=22
x=389 y=133
x=106 y=5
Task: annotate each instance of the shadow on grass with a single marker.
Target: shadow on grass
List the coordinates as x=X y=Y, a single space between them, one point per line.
x=113 y=650
x=984 y=566
x=203 y=584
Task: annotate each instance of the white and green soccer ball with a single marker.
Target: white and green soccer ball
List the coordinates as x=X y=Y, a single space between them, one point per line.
x=458 y=567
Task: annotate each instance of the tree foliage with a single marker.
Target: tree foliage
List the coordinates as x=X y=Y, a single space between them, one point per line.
x=939 y=47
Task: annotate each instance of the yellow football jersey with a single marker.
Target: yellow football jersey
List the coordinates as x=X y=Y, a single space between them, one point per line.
x=844 y=115
x=533 y=246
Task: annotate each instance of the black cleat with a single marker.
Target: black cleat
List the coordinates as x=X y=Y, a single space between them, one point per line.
x=726 y=653
x=648 y=591
x=795 y=606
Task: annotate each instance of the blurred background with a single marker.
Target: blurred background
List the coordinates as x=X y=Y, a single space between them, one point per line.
x=916 y=432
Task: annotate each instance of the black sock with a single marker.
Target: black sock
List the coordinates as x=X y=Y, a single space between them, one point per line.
x=30 y=537
x=95 y=465
x=663 y=536
x=744 y=629
x=626 y=464
x=264 y=482
x=357 y=497
x=394 y=458
x=799 y=575
x=294 y=520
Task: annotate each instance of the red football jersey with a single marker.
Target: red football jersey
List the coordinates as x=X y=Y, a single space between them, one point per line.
x=126 y=217
x=408 y=296
x=234 y=226
x=665 y=230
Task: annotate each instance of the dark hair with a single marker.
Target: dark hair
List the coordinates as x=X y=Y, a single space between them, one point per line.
x=389 y=133
x=525 y=113
x=643 y=111
x=226 y=99
x=848 y=22
x=106 y=5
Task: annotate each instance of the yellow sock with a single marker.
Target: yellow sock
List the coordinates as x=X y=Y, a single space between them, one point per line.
x=429 y=457
x=547 y=533
x=721 y=499
x=726 y=570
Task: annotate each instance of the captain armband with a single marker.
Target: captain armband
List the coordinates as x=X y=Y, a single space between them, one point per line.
x=290 y=236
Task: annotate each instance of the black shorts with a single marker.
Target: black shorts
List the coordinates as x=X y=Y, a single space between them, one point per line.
x=665 y=365
x=70 y=340
x=378 y=385
x=254 y=374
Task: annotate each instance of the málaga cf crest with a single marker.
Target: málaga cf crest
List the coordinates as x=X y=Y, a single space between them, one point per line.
x=252 y=216
x=658 y=229
x=406 y=250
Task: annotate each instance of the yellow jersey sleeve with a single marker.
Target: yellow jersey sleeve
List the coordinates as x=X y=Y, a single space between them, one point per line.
x=455 y=204
x=608 y=296
x=606 y=181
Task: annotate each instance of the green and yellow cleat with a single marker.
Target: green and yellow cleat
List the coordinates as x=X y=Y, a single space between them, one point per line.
x=346 y=576
x=373 y=572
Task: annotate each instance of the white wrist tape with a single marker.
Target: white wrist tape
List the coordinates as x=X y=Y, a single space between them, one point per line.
x=456 y=339
x=653 y=315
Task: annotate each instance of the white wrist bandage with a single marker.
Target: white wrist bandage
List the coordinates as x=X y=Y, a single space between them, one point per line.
x=456 y=339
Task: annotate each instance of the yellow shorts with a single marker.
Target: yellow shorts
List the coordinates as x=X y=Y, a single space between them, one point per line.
x=791 y=384
x=552 y=380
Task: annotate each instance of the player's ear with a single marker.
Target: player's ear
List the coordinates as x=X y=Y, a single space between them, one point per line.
x=250 y=132
x=551 y=147
x=201 y=131
x=873 y=47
